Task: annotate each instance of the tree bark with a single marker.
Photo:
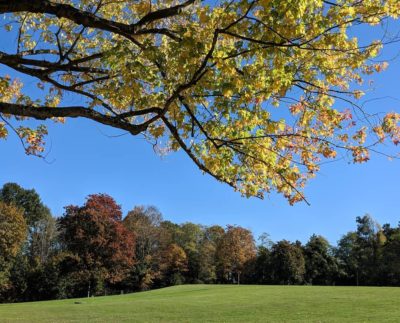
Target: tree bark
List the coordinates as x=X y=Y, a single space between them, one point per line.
x=43 y=113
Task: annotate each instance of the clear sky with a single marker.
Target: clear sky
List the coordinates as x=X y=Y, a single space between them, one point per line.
x=83 y=160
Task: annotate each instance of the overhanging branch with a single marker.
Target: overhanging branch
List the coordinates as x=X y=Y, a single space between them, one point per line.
x=43 y=113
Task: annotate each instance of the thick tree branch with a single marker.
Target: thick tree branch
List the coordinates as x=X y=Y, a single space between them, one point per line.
x=88 y=19
x=43 y=113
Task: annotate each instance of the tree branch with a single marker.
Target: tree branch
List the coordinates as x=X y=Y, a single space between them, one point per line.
x=88 y=19
x=43 y=113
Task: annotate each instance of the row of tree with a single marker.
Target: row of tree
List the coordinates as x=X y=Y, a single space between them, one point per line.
x=94 y=250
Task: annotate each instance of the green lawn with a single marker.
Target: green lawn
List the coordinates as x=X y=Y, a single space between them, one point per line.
x=220 y=303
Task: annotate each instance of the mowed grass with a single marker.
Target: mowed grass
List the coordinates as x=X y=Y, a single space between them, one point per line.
x=220 y=303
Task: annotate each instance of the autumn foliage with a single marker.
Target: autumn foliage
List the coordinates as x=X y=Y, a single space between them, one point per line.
x=234 y=251
x=13 y=232
x=100 y=247
x=95 y=251
x=257 y=93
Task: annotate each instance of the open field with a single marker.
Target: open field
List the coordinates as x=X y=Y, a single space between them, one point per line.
x=220 y=303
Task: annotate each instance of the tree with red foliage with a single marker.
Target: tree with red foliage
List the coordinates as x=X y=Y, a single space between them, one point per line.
x=101 y=249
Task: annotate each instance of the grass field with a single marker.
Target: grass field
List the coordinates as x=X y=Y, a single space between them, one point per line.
x=220 y=303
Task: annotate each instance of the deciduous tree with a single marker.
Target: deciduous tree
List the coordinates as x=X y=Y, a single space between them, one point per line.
x=235 y=249
x=44 y=239
x=208 y=253
x=13 y=231
x=189 y=237
x=28 y=200
x=390 y=261
x=144 y=223
x=102 y=248
x=174 y=265
x=347 y=253
x=321 y=265
x=41 y=225
x=205 y=79
x=288 y=263
x=263 y=271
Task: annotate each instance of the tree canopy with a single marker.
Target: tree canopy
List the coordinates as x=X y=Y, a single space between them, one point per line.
x=95 y=251
x=28 y=200
x=256 y=92
x=13 y=231
x=102 y=248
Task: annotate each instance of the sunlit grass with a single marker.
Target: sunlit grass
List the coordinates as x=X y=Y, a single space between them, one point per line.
x=220 y=303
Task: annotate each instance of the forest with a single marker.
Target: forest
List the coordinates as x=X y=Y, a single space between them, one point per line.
x=94 y=249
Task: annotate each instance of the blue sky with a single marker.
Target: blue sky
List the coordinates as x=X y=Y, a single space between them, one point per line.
x=83 y=160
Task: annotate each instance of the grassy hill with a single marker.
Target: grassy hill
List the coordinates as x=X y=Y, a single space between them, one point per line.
x=220 y=303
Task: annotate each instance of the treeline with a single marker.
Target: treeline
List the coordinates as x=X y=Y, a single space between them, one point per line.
x=93 y=250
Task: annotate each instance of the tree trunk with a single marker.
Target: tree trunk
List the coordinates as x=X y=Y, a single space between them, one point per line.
x=88 y=292
x=357 y=277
